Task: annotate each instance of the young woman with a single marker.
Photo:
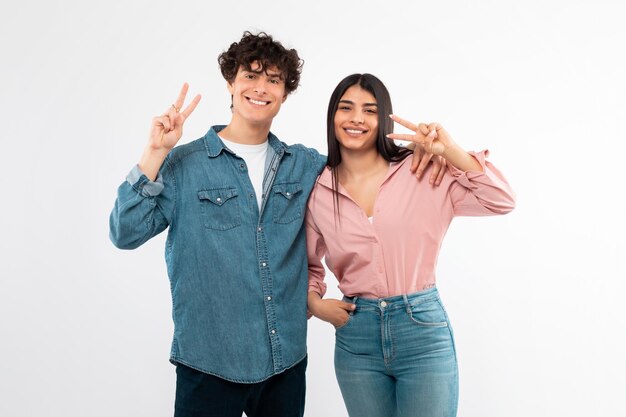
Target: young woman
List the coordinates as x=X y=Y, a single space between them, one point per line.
x=380 y=230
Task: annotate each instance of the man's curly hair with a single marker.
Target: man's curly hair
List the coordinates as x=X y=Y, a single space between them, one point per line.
x=265 y=50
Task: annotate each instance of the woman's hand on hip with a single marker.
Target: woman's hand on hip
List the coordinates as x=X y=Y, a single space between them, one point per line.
x=336 y=312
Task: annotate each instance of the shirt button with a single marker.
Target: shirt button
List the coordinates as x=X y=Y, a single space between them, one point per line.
x=383 y=304
x=219 y=199
x=251 y=195
x=288 y=193
x=242 y=166
x=269 y=298
x=259 y=229
x=273 y=331
x=263 y=264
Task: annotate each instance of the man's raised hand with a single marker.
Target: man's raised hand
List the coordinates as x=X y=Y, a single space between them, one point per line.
x=167 y=129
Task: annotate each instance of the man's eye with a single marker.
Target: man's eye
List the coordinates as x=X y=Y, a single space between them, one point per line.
x=275 y=81
x=249 y=76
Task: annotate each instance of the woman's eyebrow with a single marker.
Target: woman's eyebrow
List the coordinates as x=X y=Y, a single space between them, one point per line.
x=364 y=104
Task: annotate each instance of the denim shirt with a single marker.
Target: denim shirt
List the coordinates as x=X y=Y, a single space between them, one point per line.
x=238 y=274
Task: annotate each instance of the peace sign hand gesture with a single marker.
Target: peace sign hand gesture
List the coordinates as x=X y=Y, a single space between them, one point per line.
x=167 y=129
x=165 y=132
x=432 y=137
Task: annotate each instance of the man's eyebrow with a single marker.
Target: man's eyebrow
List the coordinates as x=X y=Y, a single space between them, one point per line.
x=268 y=72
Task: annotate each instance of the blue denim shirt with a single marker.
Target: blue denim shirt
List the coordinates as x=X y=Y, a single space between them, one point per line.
x=238 y=275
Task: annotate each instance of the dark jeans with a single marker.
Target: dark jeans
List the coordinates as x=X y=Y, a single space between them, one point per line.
x=203 y=395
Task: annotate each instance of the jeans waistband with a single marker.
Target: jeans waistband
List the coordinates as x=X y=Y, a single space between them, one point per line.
x=395 y=302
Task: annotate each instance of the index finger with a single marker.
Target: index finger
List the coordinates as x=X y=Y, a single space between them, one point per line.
x=181 y=96
x=403 y=122
x=348 y=306
x=191 y=107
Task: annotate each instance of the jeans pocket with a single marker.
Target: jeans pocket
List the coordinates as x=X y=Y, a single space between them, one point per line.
x=428 y=314
x=288 y=203
x=220 y=208
x=346 y=322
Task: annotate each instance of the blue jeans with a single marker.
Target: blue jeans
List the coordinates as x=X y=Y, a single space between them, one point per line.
x=396 y=357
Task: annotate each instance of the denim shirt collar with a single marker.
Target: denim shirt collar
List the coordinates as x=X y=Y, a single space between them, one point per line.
x=215 y=146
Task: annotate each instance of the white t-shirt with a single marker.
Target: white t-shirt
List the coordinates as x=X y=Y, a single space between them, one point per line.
x=254 y=156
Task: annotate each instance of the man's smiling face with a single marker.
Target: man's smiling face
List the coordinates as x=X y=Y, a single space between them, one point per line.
x=257 y=94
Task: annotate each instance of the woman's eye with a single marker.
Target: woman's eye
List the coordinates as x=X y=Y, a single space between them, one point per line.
x=344 y=108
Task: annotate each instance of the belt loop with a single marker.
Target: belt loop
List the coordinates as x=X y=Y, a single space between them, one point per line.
x=406 y=303
x=353 y=302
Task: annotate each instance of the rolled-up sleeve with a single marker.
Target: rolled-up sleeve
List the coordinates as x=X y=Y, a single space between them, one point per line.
x=143 y=208
x=480 y=193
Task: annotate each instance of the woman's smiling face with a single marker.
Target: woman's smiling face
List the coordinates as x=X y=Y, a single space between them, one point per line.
x=356 y=119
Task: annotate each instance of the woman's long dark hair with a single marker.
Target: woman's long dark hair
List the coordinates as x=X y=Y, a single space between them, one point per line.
x=385 y=147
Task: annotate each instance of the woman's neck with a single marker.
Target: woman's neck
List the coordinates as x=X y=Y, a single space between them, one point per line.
x=358 y=165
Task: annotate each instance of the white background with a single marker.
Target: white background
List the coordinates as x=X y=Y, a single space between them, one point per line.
x=536 y=297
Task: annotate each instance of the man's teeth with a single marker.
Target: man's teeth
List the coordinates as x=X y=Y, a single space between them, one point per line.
x=260 y=103
x=355 y=132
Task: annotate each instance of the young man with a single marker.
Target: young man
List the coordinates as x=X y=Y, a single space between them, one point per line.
x=234 y=201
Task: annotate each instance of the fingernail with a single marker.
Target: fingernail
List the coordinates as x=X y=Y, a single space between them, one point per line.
x=353 y=307
x=391 y=115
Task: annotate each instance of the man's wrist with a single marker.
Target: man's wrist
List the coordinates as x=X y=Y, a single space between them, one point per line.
x=151 y=161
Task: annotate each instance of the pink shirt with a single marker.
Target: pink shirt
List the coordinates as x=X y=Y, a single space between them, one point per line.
x=397 y=252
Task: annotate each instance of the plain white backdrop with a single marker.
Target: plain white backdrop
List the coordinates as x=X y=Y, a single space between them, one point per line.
x=536 y=297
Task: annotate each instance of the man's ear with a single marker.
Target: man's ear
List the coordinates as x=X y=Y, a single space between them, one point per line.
x=231 y=88
x=284 y=98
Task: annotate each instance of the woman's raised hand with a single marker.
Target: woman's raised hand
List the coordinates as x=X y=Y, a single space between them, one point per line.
x=167 y=129
x=432 y=137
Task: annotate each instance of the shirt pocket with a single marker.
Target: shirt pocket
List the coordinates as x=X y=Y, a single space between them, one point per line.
x=220 y=208
x=288 y=202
